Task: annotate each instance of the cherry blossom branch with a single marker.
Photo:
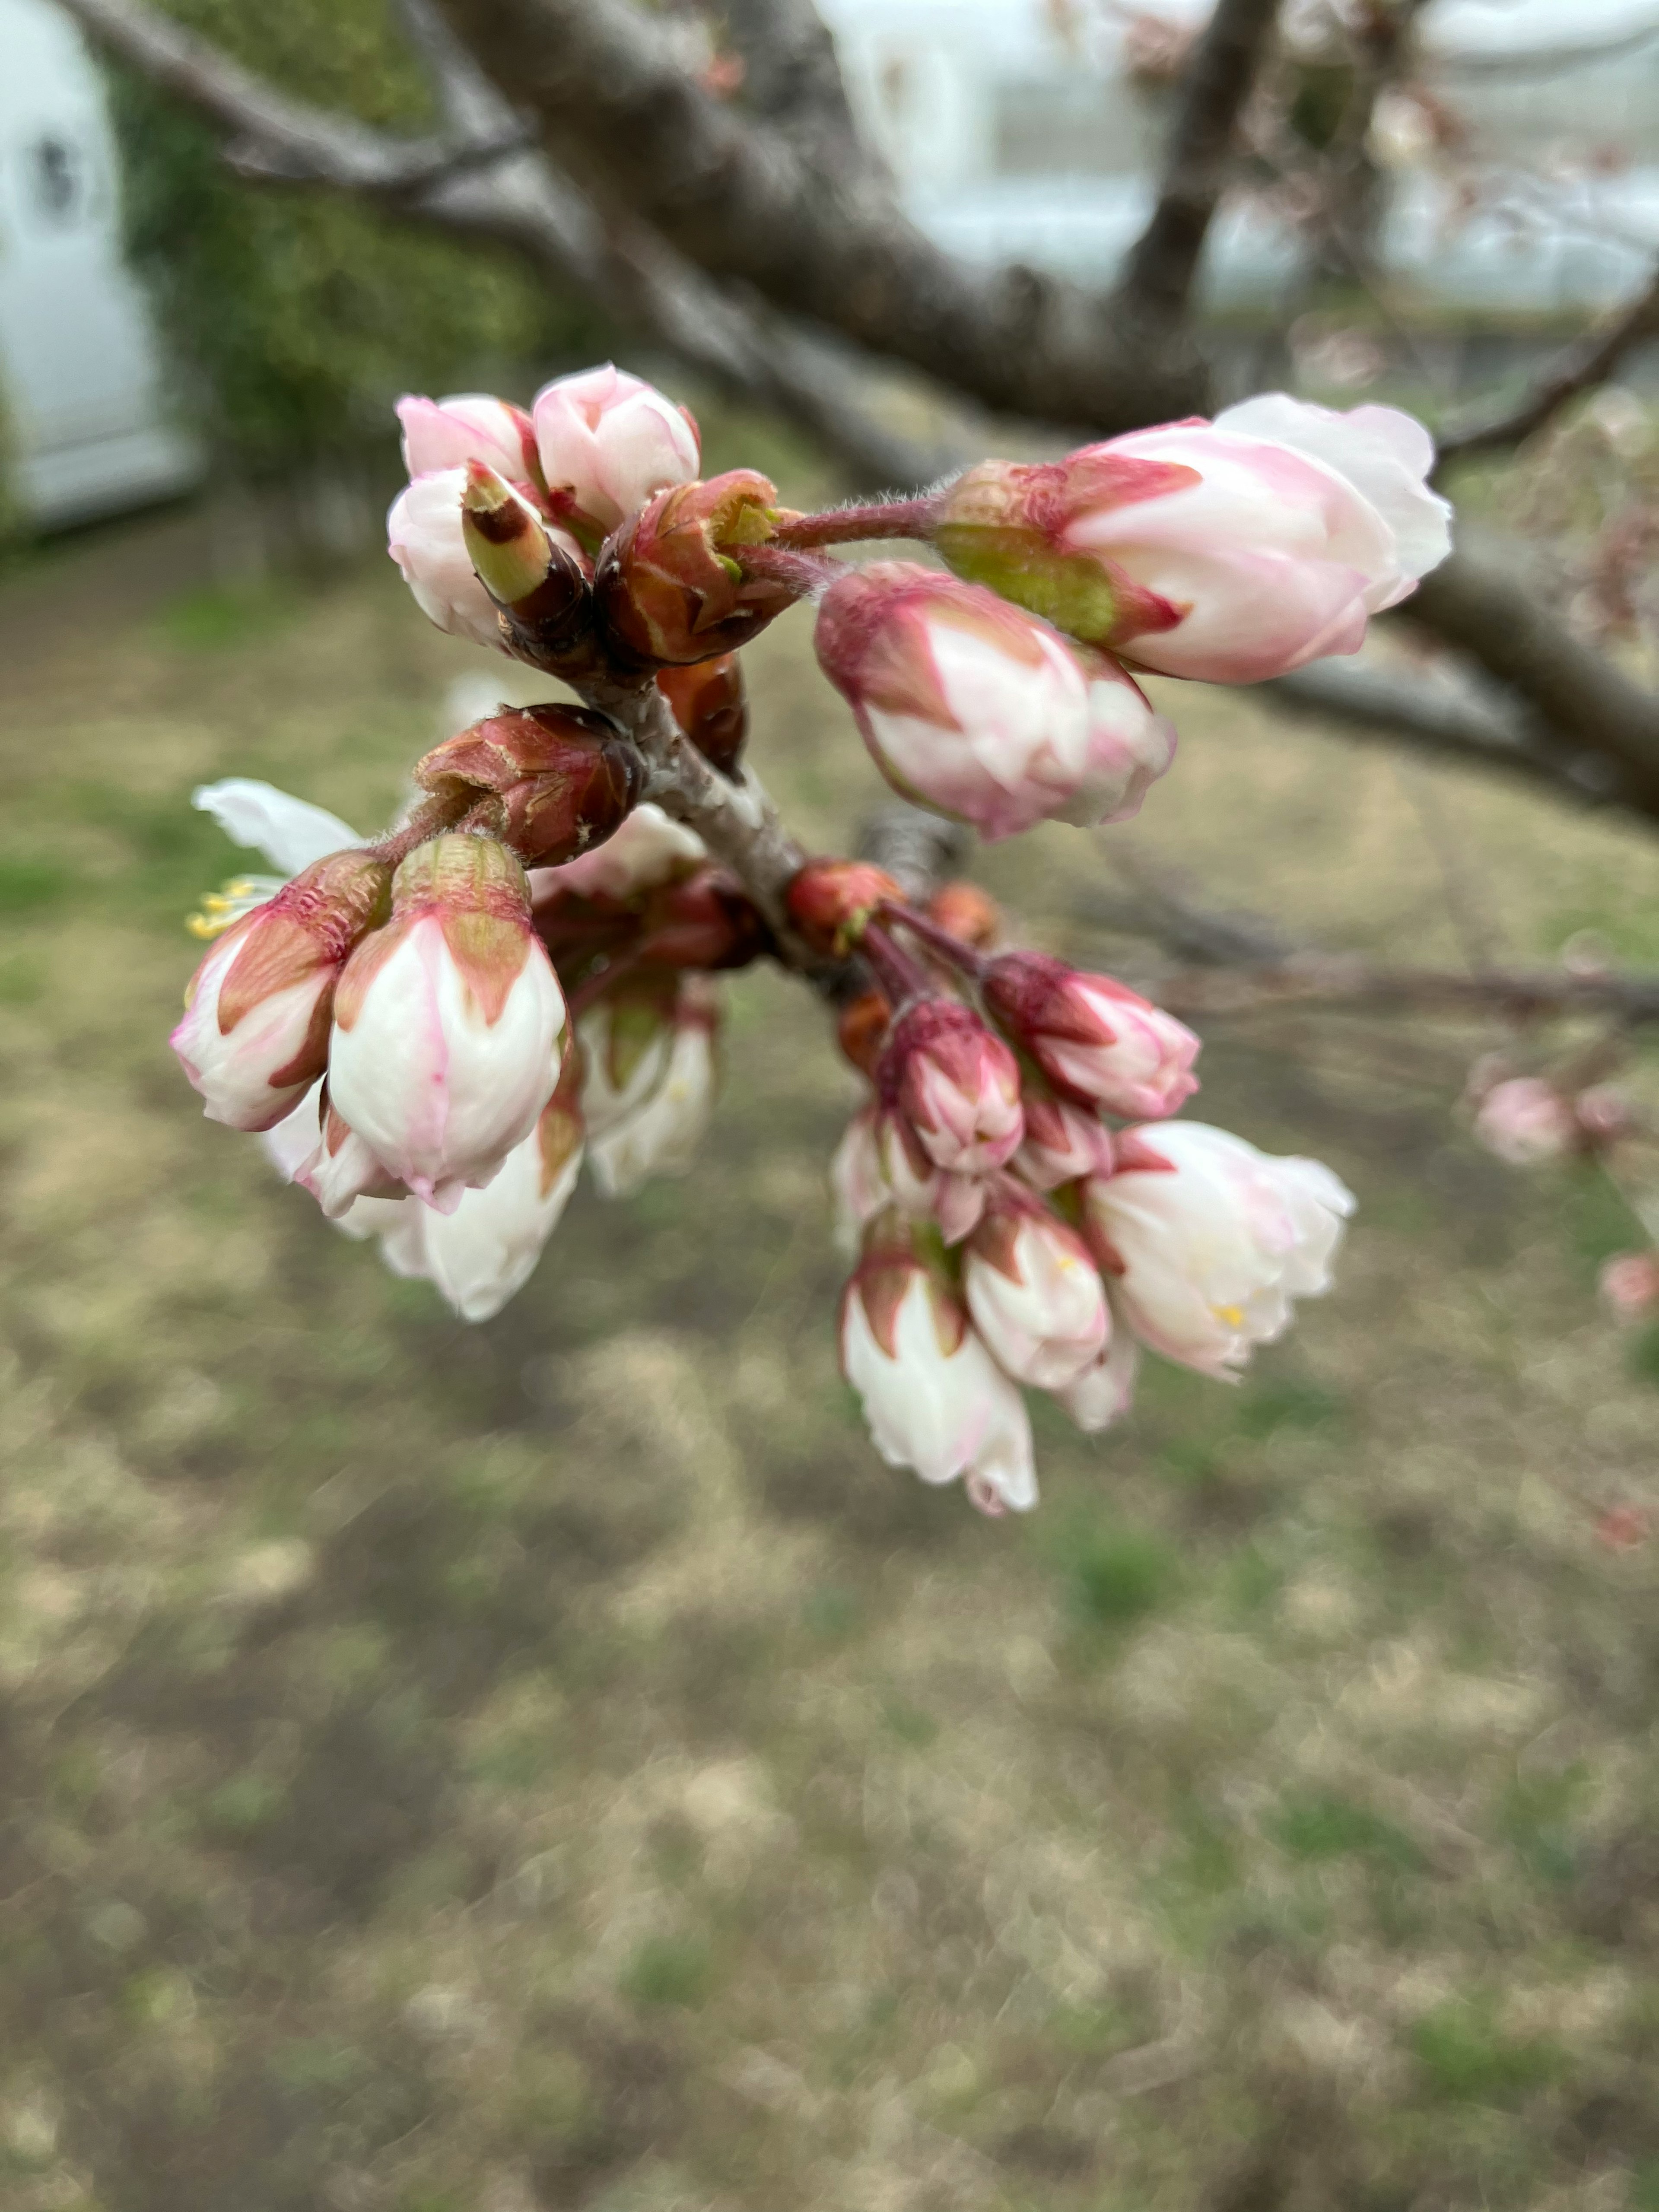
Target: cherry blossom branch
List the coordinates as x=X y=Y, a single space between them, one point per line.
x=1163 y=264
x=1341 y=980
x=1578 y=367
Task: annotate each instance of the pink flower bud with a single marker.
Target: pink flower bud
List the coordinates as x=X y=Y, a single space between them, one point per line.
x=660 y=1134
x=1630 y=1284
x=956 y=1084
x=1130 y=746
x=933 y=1397
x=470 y=426
x=1229 y=550
x=1093 y=1036
x=445 y=1022
x=880 y=1163
x=485 y=1252
x=255 y=1034
x=1036 y=1296
x=608 y=441
x=341 y=1169
x=626 y=1040
x=1103 y=1394
x=1064 y=1143
x=967 y=705
x=1525 y=1122
x=1209 y=1241
x=425 y=539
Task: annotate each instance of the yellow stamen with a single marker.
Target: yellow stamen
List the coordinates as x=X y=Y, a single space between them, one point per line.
x=222 y=908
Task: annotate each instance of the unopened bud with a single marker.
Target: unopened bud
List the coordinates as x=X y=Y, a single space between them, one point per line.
x=831 y=902
x=1093 y=1037
x=669 y=587
x=968 y=913
x=958 y=1085
x=861 y=1030
x=706 y=921
x=446 y=1022
x=566 y=777
x=255 y=1034
x=526 y=569
x=707 y=700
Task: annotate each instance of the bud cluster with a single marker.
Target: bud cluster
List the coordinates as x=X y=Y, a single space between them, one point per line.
x=433 y=1029
x=991 y=1190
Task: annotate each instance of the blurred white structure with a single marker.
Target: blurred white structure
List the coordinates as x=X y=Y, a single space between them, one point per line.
x=86 y=426
x=1015 y=135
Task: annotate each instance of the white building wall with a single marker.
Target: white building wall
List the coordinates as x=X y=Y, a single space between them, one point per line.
x=83 y=388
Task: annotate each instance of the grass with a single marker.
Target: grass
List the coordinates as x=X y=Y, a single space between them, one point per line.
x=557 y=1764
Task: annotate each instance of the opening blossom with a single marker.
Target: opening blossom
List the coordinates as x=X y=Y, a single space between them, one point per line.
x=433 y=1029
x=1210 y=1241
x=1231 y=551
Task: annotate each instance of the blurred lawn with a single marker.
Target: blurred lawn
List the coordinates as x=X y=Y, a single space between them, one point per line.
x=556 y=1765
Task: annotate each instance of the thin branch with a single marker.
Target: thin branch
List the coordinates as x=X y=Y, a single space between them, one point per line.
x=1159 y=276
x=1473 y=601
x=1588 y=362
x=1341 y=980
x=283 y=136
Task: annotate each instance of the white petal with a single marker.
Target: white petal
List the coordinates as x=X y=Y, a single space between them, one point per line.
x=290 y=832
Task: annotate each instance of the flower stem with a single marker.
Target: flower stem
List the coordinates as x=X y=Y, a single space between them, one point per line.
x=900 y=976
x=960 y=956
x=845 y=526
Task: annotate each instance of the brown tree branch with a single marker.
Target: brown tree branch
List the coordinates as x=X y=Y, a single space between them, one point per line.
x=792 y=77
x=609 y=89
x=1338 y=980
x=1159 y=276
x=1577 y=367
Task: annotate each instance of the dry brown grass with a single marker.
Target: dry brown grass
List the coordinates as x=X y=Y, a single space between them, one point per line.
x=555 y=1765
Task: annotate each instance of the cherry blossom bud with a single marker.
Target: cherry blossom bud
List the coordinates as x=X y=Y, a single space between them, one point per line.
x=566 y=776
x=648 y=849
x=470 y=426
x=708 y=703
x=255 y=1034
x=1229 y=550
x=705 y=920
x=341 y=1169
x=1034 y=1294
x=966 y=705
x=1629 y=1284
x=424 y=537
x=878 y=1164
x=608 y=442
x=669 y=587
x=1209 y=1241
x=957 y=1084
x=968 y=913
x=829 y=901
x=625 y=1042
x=485 y=1252
x=933 y=1397
x=1103 y=1394
x=660 y=1134
x=1064 y=1143
x=1525 y=1122
x=861 y=1030
x=1091 y=1036
x=1130 y=746
x=445 y=1022
x=533 y=571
